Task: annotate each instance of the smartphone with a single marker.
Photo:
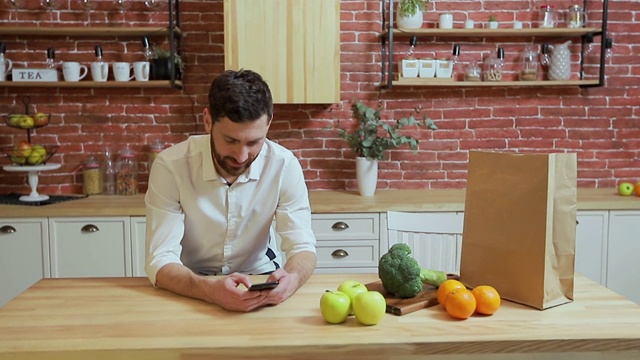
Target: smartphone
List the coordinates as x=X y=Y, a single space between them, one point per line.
x=263 y=286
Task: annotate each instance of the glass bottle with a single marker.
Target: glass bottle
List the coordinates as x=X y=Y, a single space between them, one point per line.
x=576 y=17
x=155 y=147
x=51 y=59
x=493 y=66
x=109 y=174
x=472 y=71
x=528 y=64
x=146 y=49
x=127 y=173
x=91 y=176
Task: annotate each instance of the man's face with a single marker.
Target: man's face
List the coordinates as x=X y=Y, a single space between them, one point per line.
x=234 y=146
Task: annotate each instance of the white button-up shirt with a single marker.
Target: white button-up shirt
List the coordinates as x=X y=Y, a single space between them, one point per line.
x=196 y=219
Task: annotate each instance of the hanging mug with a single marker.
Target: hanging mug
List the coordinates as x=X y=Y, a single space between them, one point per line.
x=5 y=68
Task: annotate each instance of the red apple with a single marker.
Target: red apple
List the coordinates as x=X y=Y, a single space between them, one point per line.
x=638 y=189
x=41 y=119
x=23 y=149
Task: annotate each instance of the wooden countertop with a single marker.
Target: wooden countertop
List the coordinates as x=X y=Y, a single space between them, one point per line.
x=125 y=318
x=321 y=202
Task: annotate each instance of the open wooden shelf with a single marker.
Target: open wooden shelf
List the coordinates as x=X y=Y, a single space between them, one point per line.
x=86 y=31
x=450 y=83
x=531 y=32
x=95 y=84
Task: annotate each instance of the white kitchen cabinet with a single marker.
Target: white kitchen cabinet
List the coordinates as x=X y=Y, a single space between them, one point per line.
x=435 y=238
x=23 y=255
x=90 y=247
x=591 y=244
x=138 y=231
x=347 y=243
x=623 y=267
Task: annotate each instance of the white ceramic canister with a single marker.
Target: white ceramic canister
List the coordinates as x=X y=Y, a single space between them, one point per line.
x=444 y=68
x=427 y=68
x=409 y=68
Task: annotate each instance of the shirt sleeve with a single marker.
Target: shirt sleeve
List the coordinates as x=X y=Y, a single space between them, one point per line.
x=165 y=219
x=293 y=213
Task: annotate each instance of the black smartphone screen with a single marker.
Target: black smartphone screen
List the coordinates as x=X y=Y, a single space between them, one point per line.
x=263 y=286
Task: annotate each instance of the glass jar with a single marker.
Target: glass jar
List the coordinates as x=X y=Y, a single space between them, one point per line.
x=528 y=64
x=472 y=72
x=91 y=176
x=127 y=173
x=109 y=174
x=493 y=66
x=547 y=16
x=155 y=147
x=577 y=17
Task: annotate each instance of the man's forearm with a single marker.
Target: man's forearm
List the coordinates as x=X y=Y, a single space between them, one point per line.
x=180 y=280
x=302 y=265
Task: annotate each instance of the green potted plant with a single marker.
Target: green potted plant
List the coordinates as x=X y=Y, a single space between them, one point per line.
x=161 y=66
x=410 y=13
x=493 y=22
x=373 y=137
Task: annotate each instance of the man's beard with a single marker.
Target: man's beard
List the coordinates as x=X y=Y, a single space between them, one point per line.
x=224 y=163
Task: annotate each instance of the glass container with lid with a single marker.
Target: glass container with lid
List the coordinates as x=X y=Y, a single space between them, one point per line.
x=576 y=17
x=493 y=66
x=127 y=173
x=91 y=176
x=547 y=16
x=529 y=64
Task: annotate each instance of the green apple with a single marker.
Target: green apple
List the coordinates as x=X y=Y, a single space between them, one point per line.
x=14 y=120
x=352 y=288
x=335 y=306
x=625 y=189
x=37 y=156
x=369 y=307
x=41 y=119
x=26 y=122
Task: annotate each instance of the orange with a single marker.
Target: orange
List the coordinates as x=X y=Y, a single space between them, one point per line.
x=446 y=288
x=460 y=304
x=487 y=299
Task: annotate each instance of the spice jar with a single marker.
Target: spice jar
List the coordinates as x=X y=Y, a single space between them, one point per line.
x=127 y=173
x=155 y=148
x=493 y=66
x=91 y=176
x=472 y=72
x=577 y=17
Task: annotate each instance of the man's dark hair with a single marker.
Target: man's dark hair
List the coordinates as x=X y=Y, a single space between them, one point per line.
x=241 y=96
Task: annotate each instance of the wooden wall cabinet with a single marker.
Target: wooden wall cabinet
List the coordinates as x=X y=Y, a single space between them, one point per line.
x=293 y=44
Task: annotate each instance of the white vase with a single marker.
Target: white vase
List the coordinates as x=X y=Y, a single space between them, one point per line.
x=410 y=22
x=560 y=62
x=367 y=175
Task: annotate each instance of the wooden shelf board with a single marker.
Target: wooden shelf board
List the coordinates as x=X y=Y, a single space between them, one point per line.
x=441 y=83
x=86 y=31
x=94 y=84
x=554 y=32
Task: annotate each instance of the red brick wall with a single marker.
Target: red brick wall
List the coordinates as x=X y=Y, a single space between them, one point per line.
x=601 y=124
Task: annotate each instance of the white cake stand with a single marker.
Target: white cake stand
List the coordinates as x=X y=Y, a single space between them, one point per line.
x=33 y=172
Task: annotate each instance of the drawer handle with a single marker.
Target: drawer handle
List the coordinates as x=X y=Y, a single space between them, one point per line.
x=7 y=229
x=89 y=228
x=340 y=225
x=340 y=253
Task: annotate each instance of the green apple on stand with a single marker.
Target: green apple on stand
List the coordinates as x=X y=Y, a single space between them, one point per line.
x=335 y=306
x=352 y=288
x=26 y=122
x=38 y=155
x=625 y=189
x=14 y=120
x=369 y=307
x=21 y=152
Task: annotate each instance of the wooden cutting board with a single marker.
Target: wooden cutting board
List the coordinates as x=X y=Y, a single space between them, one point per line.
x=397 y=306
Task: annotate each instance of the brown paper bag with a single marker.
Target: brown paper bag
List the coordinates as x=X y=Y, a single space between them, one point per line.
x=520 y=226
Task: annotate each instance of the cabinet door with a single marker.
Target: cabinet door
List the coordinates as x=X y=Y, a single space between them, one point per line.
x=90 y=247
x=22 y=260
x=435 y=238
x=138 y=231
x=294 y=45
x=591 y=244
x=623 y=267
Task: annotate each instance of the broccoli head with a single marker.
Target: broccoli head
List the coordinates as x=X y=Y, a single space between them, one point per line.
x=399 y=272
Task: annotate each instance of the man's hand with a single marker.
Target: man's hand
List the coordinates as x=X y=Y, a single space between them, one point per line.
x=225 y=292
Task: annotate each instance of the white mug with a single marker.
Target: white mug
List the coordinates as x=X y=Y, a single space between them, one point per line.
x=5 y=68
x=73 y=71
x=122 y=71
x=446 y=21
x=141 y=70
x=469 y=24
x=99 y=70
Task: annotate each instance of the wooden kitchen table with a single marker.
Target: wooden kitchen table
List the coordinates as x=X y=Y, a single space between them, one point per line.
x=126 y=318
